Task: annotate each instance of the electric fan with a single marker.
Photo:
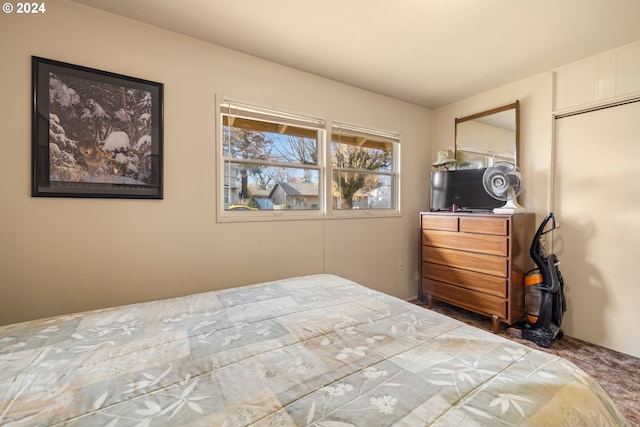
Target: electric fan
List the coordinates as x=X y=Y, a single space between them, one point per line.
x=503 y=181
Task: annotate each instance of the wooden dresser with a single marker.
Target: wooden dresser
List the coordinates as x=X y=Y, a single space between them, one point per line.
x=477 y=261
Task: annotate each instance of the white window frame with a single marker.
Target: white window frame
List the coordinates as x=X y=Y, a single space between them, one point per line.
x=324 y=126
x=253 y=111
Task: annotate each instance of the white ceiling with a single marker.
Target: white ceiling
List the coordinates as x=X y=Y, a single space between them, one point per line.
x=427 y=52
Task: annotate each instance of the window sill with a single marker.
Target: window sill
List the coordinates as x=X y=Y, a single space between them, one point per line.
x=225 y=217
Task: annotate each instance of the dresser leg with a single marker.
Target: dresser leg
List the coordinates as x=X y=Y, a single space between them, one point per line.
x=429 y=301
x=496 y=324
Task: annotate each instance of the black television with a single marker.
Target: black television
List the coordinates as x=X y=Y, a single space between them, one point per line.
x=463 y=188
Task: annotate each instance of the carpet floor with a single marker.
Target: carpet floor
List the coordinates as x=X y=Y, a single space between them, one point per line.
x=617 y=373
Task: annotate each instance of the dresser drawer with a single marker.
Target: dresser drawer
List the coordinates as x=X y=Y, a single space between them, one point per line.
x=466 y=279
x=436 y=222
x=488 y=264
x=485 y=225
x=469 y=299
x=486 y=244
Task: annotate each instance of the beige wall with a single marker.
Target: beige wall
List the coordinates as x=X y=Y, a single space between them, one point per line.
x=64 y=255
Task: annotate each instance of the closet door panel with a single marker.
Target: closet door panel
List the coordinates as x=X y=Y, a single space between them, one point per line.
x=597 y=204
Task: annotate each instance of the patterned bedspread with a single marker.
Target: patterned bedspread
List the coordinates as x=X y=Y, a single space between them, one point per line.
x=317 y=350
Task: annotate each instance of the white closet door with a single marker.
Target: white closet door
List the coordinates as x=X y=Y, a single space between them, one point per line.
x=597 y=202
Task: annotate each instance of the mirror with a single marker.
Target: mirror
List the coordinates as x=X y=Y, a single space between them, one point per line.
x=488 y=137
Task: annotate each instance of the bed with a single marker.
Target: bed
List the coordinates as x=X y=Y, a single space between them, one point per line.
x=316 y=350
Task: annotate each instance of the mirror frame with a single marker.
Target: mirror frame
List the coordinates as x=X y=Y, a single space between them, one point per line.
x=515 y=106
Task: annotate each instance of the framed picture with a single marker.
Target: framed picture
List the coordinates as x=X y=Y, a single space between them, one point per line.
x=95 y=133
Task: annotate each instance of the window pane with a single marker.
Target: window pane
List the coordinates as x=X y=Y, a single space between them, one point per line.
x=351 y=156
x=269 y=142
x=258 y=187
x=354 y=190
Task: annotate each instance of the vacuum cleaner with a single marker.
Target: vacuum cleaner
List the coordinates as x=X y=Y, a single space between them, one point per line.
x=544 y=294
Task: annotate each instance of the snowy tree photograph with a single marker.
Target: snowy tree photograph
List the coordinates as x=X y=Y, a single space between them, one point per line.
x=103 y=133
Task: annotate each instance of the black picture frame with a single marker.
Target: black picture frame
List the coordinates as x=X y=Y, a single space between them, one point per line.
x=95 y=133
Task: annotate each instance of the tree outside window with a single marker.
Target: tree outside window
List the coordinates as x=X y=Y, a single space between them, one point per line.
x=363 y=169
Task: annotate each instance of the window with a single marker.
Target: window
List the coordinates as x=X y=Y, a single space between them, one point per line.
x=277 y=164
x=363 y=168
x=270 y=159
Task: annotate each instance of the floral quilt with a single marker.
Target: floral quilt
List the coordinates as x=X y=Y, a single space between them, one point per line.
x=309 y=351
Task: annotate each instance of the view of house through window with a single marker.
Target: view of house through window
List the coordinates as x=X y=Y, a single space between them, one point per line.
x=271 y=160
x=274 y=161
